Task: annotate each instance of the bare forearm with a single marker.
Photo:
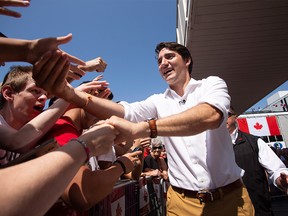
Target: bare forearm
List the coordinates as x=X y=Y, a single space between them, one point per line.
x=190 y=122
x=99 y=107
x=28 y=136
x=89 y=187
x=38 y=183
x=136 y=173
x=14 y=49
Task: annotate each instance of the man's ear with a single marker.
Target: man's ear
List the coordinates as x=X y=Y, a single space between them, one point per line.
x=8 y=93
x=188 y=61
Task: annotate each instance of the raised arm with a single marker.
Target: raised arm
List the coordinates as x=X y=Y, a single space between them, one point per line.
x=34 y=192
x=190 y=122
x=24 y=137
x=98 y=107
x=89 y=187
x=77 y=71
x=31 y=50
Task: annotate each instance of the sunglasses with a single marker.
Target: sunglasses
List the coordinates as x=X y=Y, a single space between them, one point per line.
x=231 y=114
x=157 y=147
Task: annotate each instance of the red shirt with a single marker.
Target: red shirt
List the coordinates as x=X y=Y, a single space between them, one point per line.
x=63 y=131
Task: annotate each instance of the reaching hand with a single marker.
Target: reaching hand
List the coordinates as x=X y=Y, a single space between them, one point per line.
x=97 y=64
x=39 y=47
x=12 y=3
x=99 y=138
x=93 y=87
x=282 y=182
x=145 y=142
x=128 y=130
x=50 y=73
x=155 y=172
x=130 y=160
x=77 y=71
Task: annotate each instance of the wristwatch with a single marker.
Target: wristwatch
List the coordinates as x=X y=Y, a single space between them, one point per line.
x=152 y=126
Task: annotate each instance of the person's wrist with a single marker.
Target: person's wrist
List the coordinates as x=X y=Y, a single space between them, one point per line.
x=88 y=99
x=24 y=51
x=68 y=94
x=141 y=130
x=78 y=98
x=79 y=153
x=29 y=46
x=121 y=164
x=84 y=146
x=153 y=127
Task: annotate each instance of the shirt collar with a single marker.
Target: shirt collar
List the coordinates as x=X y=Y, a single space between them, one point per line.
x=234 y=135
x=171 y=93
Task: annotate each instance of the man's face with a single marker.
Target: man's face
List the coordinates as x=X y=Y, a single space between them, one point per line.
x=29 y=103
x=172 y=67
x=231 y=122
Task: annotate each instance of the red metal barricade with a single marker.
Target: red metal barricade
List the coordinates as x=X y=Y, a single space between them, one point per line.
x=146 y=197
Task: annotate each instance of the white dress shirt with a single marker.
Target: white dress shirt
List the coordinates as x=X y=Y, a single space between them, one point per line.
x=202 y=161
x=267 y=158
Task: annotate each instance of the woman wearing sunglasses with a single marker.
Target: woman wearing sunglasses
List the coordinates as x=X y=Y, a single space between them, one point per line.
x=154 y=163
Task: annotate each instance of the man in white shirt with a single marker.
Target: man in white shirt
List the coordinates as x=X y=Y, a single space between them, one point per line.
x=259 y=161
x=191 y=117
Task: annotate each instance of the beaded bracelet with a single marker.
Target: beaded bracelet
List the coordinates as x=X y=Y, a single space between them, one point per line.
x=121 y=164
x=89 y=98
x=86 y=148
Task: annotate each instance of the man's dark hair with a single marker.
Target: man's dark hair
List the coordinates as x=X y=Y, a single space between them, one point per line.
x=180 y=49
x=232 y=110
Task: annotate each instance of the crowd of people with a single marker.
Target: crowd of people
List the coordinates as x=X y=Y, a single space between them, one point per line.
x=100 y=141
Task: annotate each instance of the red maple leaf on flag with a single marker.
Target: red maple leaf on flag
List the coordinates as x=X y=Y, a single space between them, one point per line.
x=118 y=210
x=258 y=126
x=145 y=196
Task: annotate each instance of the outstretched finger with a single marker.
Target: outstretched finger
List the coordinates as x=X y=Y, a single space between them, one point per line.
x=7 y=12
x=73 y=59
x=98 y=77
x=63 y=40
x=39 y=75
x=136 y=153
x=15 y=3
x=57 y=65
x=77 y=71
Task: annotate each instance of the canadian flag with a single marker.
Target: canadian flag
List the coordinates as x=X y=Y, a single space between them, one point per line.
x=118 y=201
x=259 y=126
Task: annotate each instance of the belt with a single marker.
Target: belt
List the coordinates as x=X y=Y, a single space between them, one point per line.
x=210 y=195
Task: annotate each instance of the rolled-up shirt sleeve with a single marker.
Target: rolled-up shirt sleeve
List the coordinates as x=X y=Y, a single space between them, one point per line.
x=270 y=161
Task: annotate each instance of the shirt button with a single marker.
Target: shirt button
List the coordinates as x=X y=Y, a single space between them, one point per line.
x=201 y=180
x=194 y=162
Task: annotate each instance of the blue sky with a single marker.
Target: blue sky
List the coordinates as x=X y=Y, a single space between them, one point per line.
x=263 y=103
x=123 y=32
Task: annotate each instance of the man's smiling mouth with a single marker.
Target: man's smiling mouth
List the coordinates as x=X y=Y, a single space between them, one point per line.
x=167 y=71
